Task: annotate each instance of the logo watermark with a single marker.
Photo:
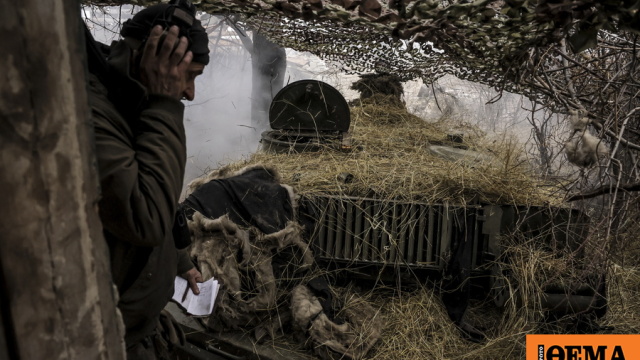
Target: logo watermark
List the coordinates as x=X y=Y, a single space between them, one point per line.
x=583 y=347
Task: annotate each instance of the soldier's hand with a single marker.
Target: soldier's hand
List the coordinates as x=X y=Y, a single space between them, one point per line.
x=163 y=67
x=193 y=277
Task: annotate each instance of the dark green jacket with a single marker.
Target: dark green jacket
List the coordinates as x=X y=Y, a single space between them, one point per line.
x=141 y=153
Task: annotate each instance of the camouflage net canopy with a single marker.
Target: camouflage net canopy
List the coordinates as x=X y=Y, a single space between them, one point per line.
x=563 y=54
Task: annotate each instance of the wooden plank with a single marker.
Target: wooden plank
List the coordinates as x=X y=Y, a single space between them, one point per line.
x=388 y=233
x=348 y=234
x=412 y=229
x=359 y=234
x=433 y=230
x=423 y=238
x=376 y=248
x=323 y=207
x=446 y=231
x=331 y=226
x=55 y=263
x=340 y=231
x=404 y=221
x=367 y=240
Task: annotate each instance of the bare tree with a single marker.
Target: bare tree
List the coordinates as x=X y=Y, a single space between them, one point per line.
x=268 y=65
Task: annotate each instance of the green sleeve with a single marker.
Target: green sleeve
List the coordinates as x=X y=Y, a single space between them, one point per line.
x=184 y=262
x=141 y=166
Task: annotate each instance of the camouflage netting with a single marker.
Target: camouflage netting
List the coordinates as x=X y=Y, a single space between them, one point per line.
x=487 y=40
x=563 y=54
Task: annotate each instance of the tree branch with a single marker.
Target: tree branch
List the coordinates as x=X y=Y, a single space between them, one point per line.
x=624 y=142
x=605 y=189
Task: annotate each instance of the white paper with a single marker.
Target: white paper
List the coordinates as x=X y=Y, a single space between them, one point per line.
x=197 y=305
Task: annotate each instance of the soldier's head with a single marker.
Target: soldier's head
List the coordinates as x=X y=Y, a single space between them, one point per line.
x=179 y=13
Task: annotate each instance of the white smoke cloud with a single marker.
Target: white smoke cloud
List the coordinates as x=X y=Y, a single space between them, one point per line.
x=218 y=121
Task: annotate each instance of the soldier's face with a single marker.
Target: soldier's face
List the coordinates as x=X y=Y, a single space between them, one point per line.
x=193 y=71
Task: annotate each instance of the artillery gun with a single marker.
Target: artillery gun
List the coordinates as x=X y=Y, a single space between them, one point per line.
x=415 y=241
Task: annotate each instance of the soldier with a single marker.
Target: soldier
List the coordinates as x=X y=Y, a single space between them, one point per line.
x=135 y=95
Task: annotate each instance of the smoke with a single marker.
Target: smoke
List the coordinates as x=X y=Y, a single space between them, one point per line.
x=218 y=121
x=456 y=99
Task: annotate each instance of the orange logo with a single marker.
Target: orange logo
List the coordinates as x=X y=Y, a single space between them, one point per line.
x=583 y=347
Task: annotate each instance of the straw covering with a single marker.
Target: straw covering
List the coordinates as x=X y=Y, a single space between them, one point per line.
x=393 y=156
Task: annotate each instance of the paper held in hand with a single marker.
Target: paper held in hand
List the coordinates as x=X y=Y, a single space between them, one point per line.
x=196 y=305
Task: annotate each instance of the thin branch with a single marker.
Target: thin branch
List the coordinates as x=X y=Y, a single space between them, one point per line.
x=605 y=189
x=246 y=41
x=628 y=144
